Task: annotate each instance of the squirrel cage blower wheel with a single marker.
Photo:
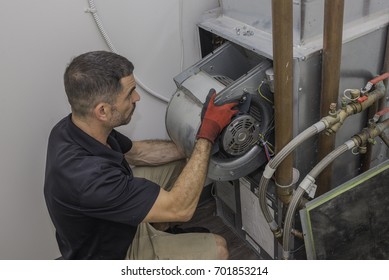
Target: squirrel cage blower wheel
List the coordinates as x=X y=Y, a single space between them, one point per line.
x=237 y=151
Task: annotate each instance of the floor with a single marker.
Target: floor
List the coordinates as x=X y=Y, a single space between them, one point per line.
x=205 y=216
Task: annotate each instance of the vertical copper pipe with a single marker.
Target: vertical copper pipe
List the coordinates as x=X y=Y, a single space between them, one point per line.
x=282 y=20
x=332 y=52
x=366 y=158
x=385 y=69
x=379 y=105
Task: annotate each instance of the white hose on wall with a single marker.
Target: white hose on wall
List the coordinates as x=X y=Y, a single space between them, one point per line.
x=92 y=9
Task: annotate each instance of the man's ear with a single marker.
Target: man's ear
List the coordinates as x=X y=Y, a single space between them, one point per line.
x=102 y=111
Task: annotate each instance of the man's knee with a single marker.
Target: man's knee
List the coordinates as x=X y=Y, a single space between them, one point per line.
x=221 y=247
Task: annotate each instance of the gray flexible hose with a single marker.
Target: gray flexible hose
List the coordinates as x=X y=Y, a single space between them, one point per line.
x=304 y=186
x=275 y=162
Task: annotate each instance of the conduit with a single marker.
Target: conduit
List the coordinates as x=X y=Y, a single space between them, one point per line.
x=92 y=9
x=332 y=52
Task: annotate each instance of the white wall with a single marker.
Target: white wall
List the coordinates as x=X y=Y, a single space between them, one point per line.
x=38 y=38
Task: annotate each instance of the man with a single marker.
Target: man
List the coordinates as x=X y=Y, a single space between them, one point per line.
x=99 y=208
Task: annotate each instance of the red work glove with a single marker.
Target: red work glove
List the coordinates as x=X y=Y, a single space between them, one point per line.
x=214 y=117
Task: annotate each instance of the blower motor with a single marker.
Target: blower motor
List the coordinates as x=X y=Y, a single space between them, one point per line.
x=238 y=150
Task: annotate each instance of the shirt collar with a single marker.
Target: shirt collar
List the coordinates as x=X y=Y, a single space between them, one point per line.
x=92 y=145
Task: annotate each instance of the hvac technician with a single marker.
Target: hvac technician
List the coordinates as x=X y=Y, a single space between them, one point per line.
x=102 y=208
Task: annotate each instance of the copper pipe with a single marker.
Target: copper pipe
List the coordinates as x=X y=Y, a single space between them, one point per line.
x=282 y=20
x=297 y=233
x=367 y=158
x=332 y=52
x=385 y=70
x=385 y=139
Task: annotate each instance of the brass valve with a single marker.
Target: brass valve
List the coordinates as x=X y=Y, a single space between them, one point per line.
x=332 y=111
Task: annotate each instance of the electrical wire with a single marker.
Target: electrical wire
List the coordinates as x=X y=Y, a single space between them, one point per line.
x=181 y=32
x=264 y=145
x=267 y=146
x=261 y=94
x=92 y=9
x=267 y=152
x=270 y=147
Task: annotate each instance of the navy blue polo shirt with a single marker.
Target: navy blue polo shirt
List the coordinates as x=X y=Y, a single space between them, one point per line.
x=93 y=199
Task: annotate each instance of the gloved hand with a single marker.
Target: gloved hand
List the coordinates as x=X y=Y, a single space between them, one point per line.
x=214 y=117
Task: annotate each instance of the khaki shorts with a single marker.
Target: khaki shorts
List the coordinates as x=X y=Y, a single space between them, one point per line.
x=152 y=244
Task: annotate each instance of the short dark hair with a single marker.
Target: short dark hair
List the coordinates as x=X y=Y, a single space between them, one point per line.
x=94 y=77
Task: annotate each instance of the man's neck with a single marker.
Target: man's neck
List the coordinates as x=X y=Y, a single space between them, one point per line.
x=93 y=128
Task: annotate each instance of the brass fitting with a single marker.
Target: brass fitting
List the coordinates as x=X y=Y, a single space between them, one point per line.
x=341 y=117
x=297 y=233
x=335 y=120
x=375 y=95
x=278 y=234
x=285 y=193
x=362 y=150
x=355 y=93
x=367 y=135
x=332 y=111
x=344 y=103
x=330 y=120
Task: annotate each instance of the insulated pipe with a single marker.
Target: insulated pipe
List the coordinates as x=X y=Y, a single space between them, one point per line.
x=282 y=25
x=332 y=123
x=308 y=182
x=332 y=51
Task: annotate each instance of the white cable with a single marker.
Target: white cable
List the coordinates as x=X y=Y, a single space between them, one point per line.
x=180 y=26
x=348 y=97
x=92 y=9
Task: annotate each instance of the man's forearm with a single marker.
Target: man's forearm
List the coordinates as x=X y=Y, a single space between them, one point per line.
x=153 y=152
x=190 y=183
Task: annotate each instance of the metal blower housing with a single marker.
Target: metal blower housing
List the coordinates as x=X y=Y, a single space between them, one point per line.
x=235 y=74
